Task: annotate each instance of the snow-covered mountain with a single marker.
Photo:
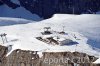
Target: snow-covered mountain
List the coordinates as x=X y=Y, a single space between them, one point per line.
x=20 y=12
x=5 y=21
x=35 y=9
x=23 y=36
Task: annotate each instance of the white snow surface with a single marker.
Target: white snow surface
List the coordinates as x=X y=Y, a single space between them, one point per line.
x=22 y=36
x=19 y=12
x=6 y=21
x=97 y=61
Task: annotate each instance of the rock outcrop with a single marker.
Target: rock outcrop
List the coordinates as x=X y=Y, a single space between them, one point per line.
x=23 y=58
x=3 y=52
x=67 y=58
x=31 y=58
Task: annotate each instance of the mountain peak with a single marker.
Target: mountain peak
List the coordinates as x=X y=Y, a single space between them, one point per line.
x=46 y=9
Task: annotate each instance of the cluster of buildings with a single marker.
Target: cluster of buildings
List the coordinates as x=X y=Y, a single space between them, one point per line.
x=55 y=38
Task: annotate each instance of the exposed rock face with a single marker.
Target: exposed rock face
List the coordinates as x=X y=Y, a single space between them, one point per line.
x=3 y=52
x=67 y=58
x=46 y=8
x=23 y=58
x=31 y=58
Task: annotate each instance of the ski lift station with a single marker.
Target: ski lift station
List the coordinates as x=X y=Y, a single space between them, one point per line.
x=55 y=38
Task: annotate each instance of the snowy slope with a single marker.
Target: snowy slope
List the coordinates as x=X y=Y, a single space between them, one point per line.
x=88 y=25
x=5 y=21
x=97 y=61
x=19 y=12
x=22 y=36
